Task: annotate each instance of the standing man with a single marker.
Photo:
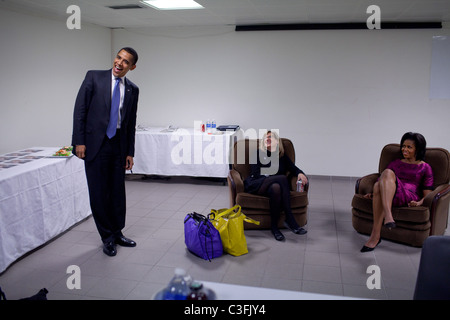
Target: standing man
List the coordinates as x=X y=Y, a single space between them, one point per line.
x=104 y=126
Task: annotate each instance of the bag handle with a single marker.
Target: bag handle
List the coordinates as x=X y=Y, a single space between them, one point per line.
x=217 y=213
x=233 y=214
x=196 y=216
x=250 y=220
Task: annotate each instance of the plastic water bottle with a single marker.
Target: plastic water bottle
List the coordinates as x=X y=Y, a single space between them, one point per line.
x=177 y=288
x=208 y=126
x=213 y=126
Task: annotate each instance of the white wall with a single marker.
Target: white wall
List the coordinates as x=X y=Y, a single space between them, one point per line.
x=42 y=65
x=339 y=95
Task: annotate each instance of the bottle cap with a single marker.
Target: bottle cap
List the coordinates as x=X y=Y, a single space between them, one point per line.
x=180 y=272
x=195 y=285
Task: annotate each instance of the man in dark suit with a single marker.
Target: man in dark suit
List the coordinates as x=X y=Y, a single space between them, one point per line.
x=104 y=126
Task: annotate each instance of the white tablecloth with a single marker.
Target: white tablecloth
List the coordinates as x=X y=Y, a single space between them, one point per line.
x=184 y=152
x=39 y=199
x=226 y=291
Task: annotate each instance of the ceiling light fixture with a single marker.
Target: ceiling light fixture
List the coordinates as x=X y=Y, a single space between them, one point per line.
x=173 y=4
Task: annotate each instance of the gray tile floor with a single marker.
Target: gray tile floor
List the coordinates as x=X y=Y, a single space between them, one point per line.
x=325 y=260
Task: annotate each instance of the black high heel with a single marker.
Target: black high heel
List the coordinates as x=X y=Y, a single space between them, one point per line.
x=368 y=249
x=390 y=225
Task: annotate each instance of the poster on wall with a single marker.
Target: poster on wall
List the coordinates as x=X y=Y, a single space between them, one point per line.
x=440 y=68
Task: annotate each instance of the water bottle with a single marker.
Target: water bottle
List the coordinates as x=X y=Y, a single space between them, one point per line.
x=213 y=126
x=208 y=126
x=177 y=288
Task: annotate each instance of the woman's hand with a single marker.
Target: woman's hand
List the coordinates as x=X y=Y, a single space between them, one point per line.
x=415 y=203
x=420 y=202
x=302 y=177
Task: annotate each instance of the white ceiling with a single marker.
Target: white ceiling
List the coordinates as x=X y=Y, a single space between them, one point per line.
x=238 y=12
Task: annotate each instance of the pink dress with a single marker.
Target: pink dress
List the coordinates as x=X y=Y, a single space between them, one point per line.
x=412 y=179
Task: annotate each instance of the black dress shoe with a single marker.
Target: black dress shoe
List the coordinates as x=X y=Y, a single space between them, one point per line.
x=109 y=248
x=295 y=229
x=278 y=235
x=368 y=249
x=125 y=242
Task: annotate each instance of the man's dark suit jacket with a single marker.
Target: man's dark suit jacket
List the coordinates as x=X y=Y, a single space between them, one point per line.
x=92 y=110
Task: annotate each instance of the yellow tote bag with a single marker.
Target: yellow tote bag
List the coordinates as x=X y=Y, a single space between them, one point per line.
x=230 y=223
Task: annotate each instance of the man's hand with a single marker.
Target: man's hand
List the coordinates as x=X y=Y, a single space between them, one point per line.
x=129 y=163
x=80 y=151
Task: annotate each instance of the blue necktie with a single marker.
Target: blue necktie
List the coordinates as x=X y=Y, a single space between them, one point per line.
x=113 y=118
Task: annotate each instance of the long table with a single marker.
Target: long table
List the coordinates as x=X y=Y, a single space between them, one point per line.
x=184 y=152
x=40 y=197
x=226 y=291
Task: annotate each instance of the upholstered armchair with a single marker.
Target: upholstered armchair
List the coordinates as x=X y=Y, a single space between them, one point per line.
x=414 y=224
x=255 y=206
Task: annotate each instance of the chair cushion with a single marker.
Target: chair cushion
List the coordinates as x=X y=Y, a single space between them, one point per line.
x=407 y=214
x=247 y=200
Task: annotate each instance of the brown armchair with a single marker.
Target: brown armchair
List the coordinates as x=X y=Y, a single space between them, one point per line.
x=414 y=224
x=255 y=206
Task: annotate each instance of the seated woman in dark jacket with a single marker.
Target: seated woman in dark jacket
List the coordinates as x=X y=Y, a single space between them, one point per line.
x=268 y=178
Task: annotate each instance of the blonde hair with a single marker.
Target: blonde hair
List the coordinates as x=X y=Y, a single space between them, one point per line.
x=274 y=136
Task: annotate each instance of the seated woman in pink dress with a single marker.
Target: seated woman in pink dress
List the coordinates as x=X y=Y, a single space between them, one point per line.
x=405 y=182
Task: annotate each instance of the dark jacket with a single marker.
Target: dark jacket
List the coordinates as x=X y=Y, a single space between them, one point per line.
x=92 y=111
x=285 y=167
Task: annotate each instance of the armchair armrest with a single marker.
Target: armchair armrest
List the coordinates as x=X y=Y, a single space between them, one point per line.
x=436 y=194
x=237 y=179
x=438 y=202
x=235 y=184
x=365 y=184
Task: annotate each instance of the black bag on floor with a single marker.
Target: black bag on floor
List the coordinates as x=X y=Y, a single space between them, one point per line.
x=41 y=295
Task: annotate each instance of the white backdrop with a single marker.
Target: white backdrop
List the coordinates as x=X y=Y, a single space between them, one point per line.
x=339 y=95
x=43 y=65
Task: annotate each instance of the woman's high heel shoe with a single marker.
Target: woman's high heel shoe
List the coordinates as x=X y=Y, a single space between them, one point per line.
x=368 y=249
x=390 y=225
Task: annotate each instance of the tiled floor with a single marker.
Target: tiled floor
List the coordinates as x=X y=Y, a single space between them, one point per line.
x=325 y=260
